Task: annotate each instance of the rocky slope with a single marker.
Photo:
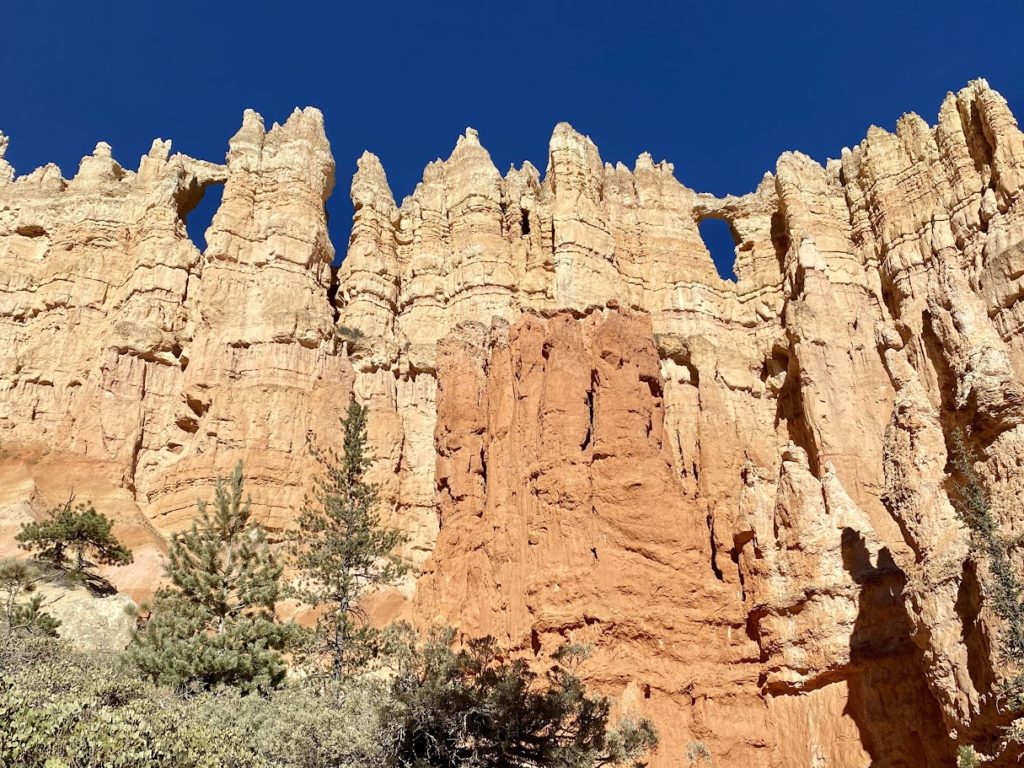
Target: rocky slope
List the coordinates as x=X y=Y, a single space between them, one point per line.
x=740 y=493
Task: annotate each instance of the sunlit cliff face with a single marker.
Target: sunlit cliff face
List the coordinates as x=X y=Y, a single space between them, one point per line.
x=738 y=492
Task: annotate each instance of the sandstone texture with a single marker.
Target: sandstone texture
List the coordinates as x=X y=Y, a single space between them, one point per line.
x=90 y=623
x=739 y=493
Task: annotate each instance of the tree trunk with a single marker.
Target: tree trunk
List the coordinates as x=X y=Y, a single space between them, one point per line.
x=339 y=649
x=12 y=595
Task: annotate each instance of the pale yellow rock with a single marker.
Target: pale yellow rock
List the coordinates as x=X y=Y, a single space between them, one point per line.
x=88 y=622
x=738 y=492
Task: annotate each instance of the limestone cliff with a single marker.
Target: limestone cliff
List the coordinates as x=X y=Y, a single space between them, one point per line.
x=738 y=492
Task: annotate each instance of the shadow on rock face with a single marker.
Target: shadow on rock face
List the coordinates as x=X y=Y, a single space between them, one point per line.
x=898 y=717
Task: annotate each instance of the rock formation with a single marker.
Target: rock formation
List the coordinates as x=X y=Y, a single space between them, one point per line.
x=740 y=493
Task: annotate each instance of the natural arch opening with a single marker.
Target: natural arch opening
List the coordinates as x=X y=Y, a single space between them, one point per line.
x=721 y=241
x=198 y=211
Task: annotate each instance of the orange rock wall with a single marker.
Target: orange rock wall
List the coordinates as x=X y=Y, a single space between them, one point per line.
x=737 y=492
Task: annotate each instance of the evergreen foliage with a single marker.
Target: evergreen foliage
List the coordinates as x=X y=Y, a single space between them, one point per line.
x=66 y=710
x=18 y=578
x=340 y=550
x=472 y=708
x=966 y=757
x=80 y=530
x=215 y=624
x=697 y=754
x=974 y=504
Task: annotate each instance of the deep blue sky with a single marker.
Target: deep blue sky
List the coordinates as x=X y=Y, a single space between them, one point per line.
x=719 y=89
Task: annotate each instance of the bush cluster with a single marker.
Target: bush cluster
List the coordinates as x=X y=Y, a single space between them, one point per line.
x=431 y=707
x=60 y=709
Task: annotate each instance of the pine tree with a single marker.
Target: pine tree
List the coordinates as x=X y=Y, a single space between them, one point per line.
x=18 y=578
x=80 y=529
x=475 y=707
x=341 y=551
x=215 y=624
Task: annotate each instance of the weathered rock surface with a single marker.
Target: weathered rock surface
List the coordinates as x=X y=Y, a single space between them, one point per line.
x=89 y=622
x=738 y=492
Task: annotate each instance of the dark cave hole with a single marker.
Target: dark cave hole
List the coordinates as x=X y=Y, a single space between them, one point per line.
x=30 y=230
x=524 y=222
x=780 y=238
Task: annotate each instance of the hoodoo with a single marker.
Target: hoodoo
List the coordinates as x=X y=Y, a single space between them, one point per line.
x=743 y=495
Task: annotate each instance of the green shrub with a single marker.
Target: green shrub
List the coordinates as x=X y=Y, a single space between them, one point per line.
x=18 y=579
x=697 y=754
x=473 y=707
x=61 y=706
x=966 y=757
x=57 y=705
x=80 y=530
x=214 y=625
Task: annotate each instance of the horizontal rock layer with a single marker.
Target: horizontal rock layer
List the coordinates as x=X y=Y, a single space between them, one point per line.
x=737 y=492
